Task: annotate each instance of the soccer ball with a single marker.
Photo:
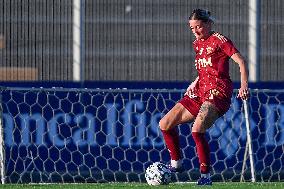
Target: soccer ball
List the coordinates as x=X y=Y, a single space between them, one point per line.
x=158 y=174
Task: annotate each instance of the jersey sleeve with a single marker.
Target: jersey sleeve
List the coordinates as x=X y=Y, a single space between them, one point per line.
x=229 y=48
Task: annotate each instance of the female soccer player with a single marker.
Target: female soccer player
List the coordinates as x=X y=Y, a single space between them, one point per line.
x=209 y=96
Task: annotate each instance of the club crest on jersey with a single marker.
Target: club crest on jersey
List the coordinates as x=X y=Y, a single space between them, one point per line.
x=203 y=63
x=209 y=50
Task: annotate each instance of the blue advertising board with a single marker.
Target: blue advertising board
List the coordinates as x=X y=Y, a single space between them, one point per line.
x=96 y=135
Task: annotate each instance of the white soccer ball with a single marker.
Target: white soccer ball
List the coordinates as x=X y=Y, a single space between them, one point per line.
x=158 y=174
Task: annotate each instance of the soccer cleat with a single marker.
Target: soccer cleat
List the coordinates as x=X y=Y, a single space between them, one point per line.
x=175 y=170
x=202 y=181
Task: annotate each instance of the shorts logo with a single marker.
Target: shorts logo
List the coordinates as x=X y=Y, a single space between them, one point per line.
x=213 y=92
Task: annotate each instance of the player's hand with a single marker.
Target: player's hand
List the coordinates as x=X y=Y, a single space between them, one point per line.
x=243 y=93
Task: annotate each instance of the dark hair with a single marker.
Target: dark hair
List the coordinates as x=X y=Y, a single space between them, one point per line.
x=200 y=14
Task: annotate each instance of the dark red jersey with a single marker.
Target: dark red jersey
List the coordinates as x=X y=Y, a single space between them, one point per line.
x=212 y=64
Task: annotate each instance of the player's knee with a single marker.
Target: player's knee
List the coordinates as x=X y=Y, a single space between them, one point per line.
x=198 y=128
x=200 y=125
x=164 y=124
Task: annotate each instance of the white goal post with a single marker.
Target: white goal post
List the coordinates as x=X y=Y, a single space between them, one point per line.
x=248 y=144
x=112 y=135
x=2 y=146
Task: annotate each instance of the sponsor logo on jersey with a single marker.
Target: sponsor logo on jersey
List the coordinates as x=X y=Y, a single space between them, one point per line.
x=203 y=63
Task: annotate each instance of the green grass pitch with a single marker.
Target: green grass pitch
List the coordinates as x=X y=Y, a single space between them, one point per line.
x=229 y=185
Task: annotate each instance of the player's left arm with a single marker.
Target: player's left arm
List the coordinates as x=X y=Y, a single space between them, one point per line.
x=243 y=91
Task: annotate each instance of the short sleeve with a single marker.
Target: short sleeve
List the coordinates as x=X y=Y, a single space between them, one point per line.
x=229 y=48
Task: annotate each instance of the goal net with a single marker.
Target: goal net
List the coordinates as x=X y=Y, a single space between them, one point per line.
x=112 y=135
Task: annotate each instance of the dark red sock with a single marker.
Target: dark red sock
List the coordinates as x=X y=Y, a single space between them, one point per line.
x=171 y=138
x=203 y=151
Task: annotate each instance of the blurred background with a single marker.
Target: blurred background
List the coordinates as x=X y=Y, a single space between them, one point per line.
x=128 y=40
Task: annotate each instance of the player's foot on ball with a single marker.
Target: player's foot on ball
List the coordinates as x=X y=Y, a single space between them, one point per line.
x=202 y=181
x=175 y=170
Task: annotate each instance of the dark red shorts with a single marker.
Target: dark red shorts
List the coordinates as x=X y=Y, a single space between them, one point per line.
x=221 y=102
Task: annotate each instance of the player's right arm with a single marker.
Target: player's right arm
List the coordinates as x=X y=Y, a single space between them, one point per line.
x=191 y=88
